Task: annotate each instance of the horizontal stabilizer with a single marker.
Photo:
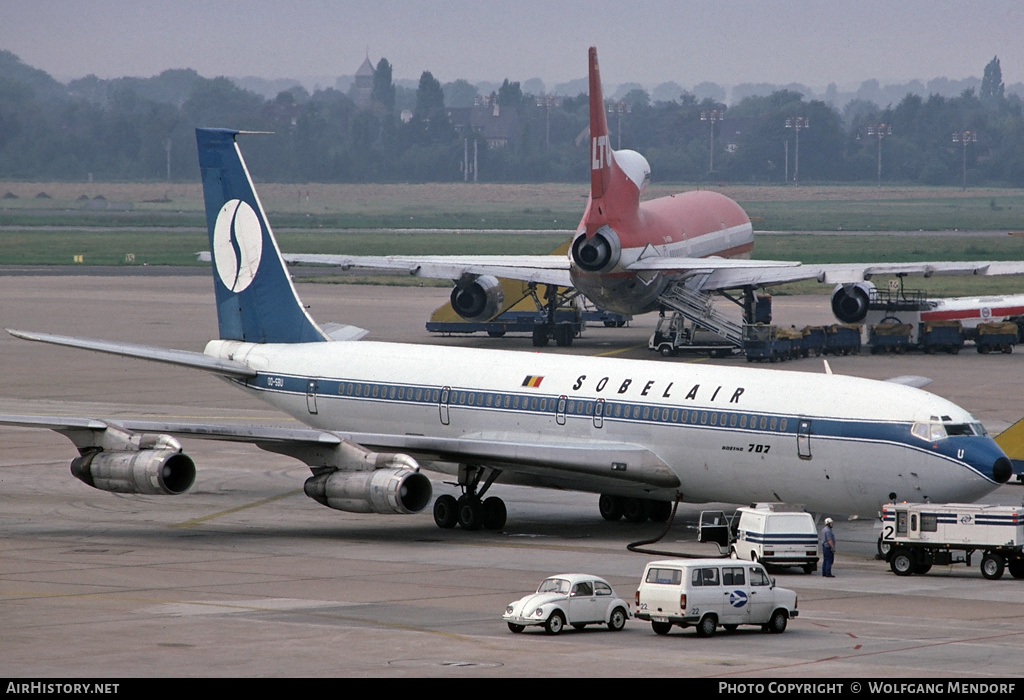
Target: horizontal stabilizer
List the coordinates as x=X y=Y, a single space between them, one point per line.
x=910 y=380
x=182 y=358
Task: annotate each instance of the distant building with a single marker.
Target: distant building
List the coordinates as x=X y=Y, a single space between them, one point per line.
x=499 y=126
x=362 y=87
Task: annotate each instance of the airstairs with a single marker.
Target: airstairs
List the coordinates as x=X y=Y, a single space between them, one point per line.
x=698 y=307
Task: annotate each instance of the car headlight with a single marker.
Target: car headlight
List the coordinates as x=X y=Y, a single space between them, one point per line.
x=508 y=610
x=539 y=612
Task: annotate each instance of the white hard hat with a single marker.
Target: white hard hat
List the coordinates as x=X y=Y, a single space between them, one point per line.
x=828 y=521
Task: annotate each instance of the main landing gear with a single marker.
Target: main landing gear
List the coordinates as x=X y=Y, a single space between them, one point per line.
x=471 y=511
x=635 y=510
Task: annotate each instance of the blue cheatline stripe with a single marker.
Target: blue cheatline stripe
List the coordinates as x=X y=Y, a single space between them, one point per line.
x=730 y=420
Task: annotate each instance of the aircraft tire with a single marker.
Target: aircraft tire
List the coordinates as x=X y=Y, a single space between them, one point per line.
x=495 y=513
x=637 y=510
x=471 y=513
x=660 y=511
x=611 y=507
x=446 y=512
x=563 y=335
x=540 y=336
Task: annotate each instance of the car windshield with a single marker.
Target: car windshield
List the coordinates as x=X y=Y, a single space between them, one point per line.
x=554 y=585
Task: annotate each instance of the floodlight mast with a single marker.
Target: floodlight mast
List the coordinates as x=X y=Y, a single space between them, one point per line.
x=711 y=116
x=797 y=124
x=964 y=138
x=880 y=131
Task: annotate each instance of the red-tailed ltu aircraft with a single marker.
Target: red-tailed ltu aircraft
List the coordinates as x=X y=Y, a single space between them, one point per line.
x=632 y=256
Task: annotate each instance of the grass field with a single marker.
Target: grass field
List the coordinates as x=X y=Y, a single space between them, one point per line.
x=163 y=224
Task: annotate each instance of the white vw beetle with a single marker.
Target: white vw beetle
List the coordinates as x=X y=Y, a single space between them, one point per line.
x=574 y=599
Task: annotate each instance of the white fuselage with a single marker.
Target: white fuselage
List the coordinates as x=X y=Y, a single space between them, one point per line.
x=834 y=443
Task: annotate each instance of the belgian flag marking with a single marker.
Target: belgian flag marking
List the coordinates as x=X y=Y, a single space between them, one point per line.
x=532 y=381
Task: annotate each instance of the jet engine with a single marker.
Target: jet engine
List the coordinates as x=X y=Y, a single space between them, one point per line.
x=478 y=299
x=163 y=472
x=599 y=253
x=850 y=301
x=401 y=490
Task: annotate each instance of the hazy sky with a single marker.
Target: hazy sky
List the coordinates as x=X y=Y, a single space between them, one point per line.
x=687 y=41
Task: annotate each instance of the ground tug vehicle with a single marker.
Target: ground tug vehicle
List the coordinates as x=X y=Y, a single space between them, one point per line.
x=917 y=536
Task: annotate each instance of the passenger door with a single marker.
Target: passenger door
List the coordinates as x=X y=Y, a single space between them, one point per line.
x=762 y=596
x=803 y=438
x=735 y=596
x=583 y=604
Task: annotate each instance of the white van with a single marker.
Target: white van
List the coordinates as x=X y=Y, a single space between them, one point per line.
x=707 y=593
x=775 y=534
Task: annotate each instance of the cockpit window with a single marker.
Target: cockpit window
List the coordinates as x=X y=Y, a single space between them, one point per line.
x=934 y=430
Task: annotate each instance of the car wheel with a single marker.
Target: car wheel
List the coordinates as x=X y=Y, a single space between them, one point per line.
x=555 y=623
x=706 y=626
x=810 y=568
x=661 y=628
x=618 y=620
x=902 y=563
x=992 y=566
x=446 y=512
x=883 y=548
x=777 y=622
x=516 y=628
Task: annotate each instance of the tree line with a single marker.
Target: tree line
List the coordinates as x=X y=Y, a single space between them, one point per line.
x=143 y=129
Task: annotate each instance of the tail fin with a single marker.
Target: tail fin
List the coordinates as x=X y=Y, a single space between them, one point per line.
x=256 y=301
x=601 y=158
x=616 y=177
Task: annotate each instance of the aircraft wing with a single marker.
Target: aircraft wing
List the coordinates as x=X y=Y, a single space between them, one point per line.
x=849 y=273
x=573 y=459
x=543 y=269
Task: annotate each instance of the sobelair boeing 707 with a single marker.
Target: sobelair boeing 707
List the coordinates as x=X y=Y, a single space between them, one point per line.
x=642 y=434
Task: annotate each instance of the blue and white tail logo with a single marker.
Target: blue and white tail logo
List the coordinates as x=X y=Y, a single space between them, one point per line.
x=256 y=301
x=237 y=244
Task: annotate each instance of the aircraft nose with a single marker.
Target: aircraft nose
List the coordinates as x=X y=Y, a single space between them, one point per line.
x=1002 y=470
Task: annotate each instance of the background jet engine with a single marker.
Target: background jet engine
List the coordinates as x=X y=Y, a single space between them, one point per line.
x=478 y=299
x=850 y=302
x=151 y=472
x=599 y=253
